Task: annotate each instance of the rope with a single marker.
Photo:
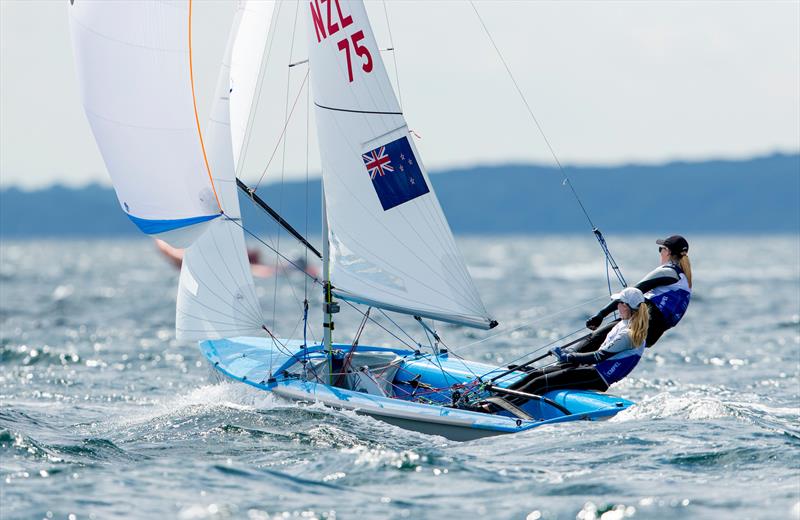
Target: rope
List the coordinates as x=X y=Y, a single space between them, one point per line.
x=394 y=55
x=539 y=349
x=527 y=325
x=565 y=180
x=283 y=132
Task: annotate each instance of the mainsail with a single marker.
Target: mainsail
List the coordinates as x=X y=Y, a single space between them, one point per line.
x=216 y=294
x=391 y=246
x=134 y=69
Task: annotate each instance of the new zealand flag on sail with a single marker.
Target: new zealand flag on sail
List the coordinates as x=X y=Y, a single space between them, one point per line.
x=395 y=173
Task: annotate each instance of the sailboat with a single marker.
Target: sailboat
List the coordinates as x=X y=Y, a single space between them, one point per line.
x=386 y=242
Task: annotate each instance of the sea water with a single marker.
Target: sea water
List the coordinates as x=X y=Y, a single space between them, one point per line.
x=104 y=414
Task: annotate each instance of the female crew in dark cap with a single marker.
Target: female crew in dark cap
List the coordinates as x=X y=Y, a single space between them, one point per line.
x=667 y=290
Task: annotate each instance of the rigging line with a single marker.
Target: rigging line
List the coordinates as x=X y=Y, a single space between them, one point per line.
x=435 y=350
x=283 y=132
x=349 y=356
x=530 y=110
x=505 y=372
x=379 y=324
x=273 y=248
x=255 y=316
x=266 y=52
x=526 y=325
x=283 y=163
x=244 y=267
x=414 y=341
x=308 y=133
x=250 y=192
x=394 y=55
x=254 y=305
x=277 y=344
x=316 y=280
x=461 y=359
x=565 y=179
x=532 y=352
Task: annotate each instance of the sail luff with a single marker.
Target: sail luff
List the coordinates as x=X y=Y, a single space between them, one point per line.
x=216 y=293
x=196 y=116
x=391 y=246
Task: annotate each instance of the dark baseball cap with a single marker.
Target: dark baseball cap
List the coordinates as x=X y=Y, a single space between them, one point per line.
x=676 y=244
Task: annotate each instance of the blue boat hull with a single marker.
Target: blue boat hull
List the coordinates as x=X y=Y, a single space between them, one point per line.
x=421 y=388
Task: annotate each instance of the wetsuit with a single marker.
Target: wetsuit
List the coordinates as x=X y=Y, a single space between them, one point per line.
x=667 y=293
x=598 y=370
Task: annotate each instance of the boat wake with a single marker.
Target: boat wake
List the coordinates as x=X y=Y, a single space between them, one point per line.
x=697 y=405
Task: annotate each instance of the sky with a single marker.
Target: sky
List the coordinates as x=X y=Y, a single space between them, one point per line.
x=609 y=82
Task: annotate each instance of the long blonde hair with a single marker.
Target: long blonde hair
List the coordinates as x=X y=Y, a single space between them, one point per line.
x=682 y=259
x=637 y=325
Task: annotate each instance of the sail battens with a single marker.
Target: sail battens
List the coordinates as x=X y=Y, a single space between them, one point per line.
x=391 y=246
x=354 y=111
x=76 y=22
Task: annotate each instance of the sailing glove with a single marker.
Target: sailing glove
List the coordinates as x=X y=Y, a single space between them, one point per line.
x=594 y=322
x=561 y=356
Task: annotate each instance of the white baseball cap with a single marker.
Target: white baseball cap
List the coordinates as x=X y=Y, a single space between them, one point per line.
x=630 y=295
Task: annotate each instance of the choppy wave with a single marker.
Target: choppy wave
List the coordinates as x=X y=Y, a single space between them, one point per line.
x=104 y=413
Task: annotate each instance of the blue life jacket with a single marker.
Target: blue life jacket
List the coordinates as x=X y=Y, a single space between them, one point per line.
x=620 y=365
x=671 y=300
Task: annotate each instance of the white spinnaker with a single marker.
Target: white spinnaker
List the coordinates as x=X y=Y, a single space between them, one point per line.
x=247 y=69
x=133 y=66
x=402 y=258
x=216 y=294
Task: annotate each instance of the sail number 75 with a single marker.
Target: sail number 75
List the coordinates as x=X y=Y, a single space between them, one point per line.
x=331 y=19
x=361 y=50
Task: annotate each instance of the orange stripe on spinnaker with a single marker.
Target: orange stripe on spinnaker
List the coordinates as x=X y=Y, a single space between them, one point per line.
x=196 y=117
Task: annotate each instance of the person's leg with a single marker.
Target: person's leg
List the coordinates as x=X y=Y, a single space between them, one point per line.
x=533 y=374
x=580 y=378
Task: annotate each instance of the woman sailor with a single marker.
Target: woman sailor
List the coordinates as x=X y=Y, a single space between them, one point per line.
x=615 y=359
x=667 y=290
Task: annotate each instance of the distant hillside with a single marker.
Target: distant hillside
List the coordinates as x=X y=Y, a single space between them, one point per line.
x=749 y=196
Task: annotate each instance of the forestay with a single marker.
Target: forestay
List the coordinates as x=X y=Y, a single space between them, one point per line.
x=216 y=294
x=247 y=69
x=391 y=246
x=134 y=71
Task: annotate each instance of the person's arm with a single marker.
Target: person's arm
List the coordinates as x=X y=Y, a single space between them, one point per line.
x=661 y=275
x=618 y=344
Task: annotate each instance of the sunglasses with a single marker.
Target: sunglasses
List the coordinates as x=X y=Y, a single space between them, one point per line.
x=662 y=248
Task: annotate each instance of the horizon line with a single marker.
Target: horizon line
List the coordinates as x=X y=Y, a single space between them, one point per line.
x=455 y=168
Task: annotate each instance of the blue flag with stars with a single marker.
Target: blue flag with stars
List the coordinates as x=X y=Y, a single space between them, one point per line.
x=395 y=173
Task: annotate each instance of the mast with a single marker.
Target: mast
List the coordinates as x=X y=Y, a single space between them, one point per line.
x=329 y=306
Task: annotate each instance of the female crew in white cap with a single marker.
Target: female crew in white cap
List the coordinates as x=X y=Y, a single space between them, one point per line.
x=615 y=359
